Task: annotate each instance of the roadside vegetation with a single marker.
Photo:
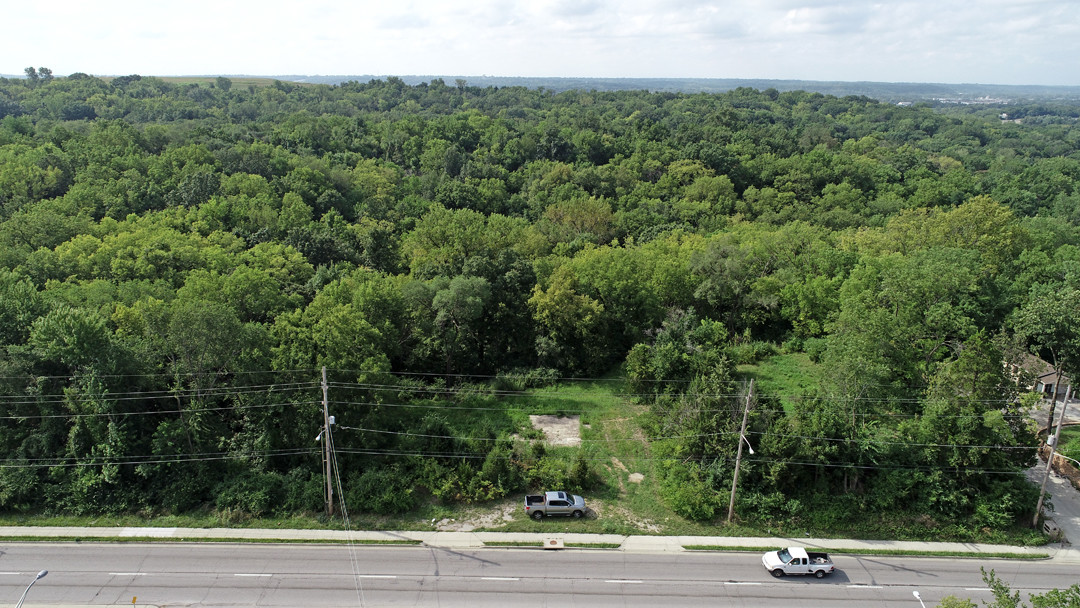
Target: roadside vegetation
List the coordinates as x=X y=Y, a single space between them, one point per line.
x=182 y=262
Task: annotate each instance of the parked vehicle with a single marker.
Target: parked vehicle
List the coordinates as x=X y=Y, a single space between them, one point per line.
x=796 y=560
x=554 y=503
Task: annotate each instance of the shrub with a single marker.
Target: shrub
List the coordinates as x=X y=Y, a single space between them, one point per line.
x=525 y=378
x=383 y=490
x=501 y=470
x=304 y=491
x=815 y=347
x=751 y=352
x=690 y=496
x=255 y=493
x=548 y=473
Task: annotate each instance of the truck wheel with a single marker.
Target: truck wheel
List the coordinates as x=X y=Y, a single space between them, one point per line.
x=820 y=574
x=538 y=515
x=777 y=573
x=578 y=514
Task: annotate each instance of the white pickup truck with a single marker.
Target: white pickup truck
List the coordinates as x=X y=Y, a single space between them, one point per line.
x=796 y=560
x=554 y=503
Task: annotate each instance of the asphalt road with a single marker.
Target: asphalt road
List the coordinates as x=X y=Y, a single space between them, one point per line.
x=292 y=575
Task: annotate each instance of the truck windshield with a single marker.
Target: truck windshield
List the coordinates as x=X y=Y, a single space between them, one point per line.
x=784 y=556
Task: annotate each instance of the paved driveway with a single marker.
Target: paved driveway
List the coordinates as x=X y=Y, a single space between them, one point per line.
x=1063 y=496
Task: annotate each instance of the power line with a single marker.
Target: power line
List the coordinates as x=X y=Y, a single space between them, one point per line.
x=77 y=461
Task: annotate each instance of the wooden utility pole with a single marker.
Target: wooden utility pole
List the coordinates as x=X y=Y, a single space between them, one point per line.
x=326 y=446
x=738 y=454
x=1050 y=460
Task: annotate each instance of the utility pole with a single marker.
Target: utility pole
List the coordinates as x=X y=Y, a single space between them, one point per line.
x=738 y=454
x=326 y=446
x=1050 y=460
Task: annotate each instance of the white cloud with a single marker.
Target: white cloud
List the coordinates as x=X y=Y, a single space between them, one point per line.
x=1004 y=41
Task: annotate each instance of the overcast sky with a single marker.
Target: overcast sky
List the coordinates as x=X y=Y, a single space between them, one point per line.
x=949 y=41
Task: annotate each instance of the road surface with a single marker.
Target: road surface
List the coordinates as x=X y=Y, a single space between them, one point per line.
x=314 y=576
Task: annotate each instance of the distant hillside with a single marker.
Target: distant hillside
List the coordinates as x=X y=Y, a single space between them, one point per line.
x=890 y=92
x=893 y=92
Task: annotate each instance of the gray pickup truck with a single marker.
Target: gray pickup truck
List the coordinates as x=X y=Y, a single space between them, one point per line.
x=554 y=503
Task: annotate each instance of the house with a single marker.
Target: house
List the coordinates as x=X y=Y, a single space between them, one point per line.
x=1037 y=375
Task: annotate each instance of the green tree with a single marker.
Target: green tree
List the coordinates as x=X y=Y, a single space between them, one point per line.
x=1050 y=323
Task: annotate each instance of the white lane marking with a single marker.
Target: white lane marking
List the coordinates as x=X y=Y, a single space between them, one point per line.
x=237 y=574
x=12 y=573
x=499 y=578
x=978 y=589
x=737 y=583
x=127 y=574
x=865 y=587
x=376 y=576
x=624 y=581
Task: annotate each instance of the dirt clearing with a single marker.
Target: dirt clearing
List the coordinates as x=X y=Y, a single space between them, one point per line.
x=559 y=430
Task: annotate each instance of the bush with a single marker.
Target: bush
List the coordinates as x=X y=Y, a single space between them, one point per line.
x=582 y=477
x=17 y=487
x=182 y=486
x=384 y=490
x=304 y=491
x=688 y=494
x=255 y=493
x=501 y=470
x=751 y=352
x=815 y=347
x=525 y=378
x=548 y=473
x=795 y=344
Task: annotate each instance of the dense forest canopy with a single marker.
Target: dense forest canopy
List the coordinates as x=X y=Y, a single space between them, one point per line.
x=178 y=261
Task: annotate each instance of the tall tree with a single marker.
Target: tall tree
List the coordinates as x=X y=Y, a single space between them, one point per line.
x=1050 y=323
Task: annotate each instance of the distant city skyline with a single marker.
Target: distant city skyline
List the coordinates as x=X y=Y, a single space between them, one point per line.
x=1019 y=42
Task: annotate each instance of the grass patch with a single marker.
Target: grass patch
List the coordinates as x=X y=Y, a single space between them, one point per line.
x=199 y=539
x=884 y=552
x=790 y=376
x=1070 y=442
x=203 y=519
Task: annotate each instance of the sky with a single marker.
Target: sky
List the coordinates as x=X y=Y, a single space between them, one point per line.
x=940 y=41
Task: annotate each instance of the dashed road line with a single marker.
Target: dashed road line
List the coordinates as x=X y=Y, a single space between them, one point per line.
x=499 y=578
x=627 y=582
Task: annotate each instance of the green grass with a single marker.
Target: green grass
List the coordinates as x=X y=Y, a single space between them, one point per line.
x=884 y=552
x=1070 y=442
x=787 y=376
x=202 y=539
x=202 y=519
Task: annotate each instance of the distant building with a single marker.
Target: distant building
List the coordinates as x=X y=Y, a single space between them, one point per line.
x=1036 y=375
